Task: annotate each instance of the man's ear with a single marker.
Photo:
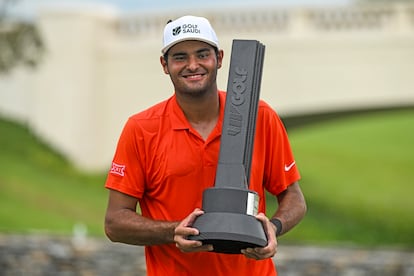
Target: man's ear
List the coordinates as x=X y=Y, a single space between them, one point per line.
x=164 y=65
x=220 y=55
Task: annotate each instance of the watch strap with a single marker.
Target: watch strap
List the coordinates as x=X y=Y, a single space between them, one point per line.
x=278 y=225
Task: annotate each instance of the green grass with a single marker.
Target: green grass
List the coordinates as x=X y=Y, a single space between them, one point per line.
x=357 y=176
x=40 y=191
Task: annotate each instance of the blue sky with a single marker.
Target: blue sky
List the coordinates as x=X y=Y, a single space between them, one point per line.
x=30 y=7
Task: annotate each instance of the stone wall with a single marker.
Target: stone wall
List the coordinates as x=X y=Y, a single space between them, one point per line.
x=40 y=255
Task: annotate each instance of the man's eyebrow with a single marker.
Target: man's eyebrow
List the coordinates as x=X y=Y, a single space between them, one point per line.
x=179 y=54
x=203 y=50
x=197 y=52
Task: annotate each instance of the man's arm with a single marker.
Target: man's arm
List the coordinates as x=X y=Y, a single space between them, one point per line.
x=292 y=207
x=123 y=224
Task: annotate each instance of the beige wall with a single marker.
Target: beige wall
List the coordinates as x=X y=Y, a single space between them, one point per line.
x=101 y=67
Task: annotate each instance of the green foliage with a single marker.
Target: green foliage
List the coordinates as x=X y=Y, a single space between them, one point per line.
x=20 y=41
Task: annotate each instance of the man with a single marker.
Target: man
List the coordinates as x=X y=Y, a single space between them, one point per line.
x=167 y=156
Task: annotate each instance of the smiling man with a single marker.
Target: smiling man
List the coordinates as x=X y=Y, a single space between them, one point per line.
x=169 y=153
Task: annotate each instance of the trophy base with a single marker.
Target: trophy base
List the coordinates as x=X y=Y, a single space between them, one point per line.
x=229 y=232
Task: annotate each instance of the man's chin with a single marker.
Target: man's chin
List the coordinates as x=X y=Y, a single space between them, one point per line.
x=195 y=92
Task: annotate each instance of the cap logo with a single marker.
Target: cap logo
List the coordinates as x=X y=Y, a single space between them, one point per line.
x=191 y=28
x=186 y=28
x=176 y=30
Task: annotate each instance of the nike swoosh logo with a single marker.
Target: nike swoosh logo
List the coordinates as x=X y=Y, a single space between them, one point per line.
x=288 y=167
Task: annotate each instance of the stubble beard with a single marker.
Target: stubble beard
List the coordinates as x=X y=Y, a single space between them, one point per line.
x=199 y=92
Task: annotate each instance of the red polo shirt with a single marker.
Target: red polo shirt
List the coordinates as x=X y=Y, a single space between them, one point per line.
x=161 y=160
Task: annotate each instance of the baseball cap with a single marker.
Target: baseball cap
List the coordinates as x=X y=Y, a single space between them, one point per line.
x=188 y=28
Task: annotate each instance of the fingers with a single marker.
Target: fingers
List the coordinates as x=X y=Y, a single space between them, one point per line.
x=189 y=220
x=188 y=246
x=260 y=253
x=184 y=229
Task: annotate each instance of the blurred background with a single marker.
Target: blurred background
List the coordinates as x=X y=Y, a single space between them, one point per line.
x=339 y=73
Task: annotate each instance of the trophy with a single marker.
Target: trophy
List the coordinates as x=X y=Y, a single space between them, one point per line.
x=229 y=222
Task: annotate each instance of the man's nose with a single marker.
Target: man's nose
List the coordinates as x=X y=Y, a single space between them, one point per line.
x=192 y=63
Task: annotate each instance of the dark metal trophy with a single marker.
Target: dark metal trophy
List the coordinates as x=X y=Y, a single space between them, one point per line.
x=229 y=222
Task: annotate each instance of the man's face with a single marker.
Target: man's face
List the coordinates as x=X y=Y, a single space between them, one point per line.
x=192 y=66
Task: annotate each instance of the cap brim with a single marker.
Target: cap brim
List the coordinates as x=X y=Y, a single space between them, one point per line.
x=166 y=48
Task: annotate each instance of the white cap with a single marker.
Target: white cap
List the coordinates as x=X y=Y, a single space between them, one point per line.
x=188 y=28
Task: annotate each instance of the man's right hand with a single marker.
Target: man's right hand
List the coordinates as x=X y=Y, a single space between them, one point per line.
x=185 y=229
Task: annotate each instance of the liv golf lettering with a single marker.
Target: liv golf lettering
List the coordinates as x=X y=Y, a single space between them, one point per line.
x=237 y=99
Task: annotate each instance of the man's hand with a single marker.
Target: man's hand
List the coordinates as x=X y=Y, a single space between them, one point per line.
x=184 y=229
x=261 y=253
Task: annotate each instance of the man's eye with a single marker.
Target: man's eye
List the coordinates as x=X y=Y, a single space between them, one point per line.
x=179 y=58
x=203 y=55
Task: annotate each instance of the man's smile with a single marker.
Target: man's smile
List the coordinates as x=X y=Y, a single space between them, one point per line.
x=193 y=77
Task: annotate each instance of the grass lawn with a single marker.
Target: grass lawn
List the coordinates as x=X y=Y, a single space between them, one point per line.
x=356 y=175
x=40 y=191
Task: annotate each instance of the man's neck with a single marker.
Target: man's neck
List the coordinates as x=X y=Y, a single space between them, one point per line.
x=201 y=112
x=200 y=109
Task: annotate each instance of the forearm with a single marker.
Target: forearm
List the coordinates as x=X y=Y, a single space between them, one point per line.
x=291 y=209
x=127 y=226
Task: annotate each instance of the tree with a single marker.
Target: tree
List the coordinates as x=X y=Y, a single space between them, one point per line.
x=20 y=41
